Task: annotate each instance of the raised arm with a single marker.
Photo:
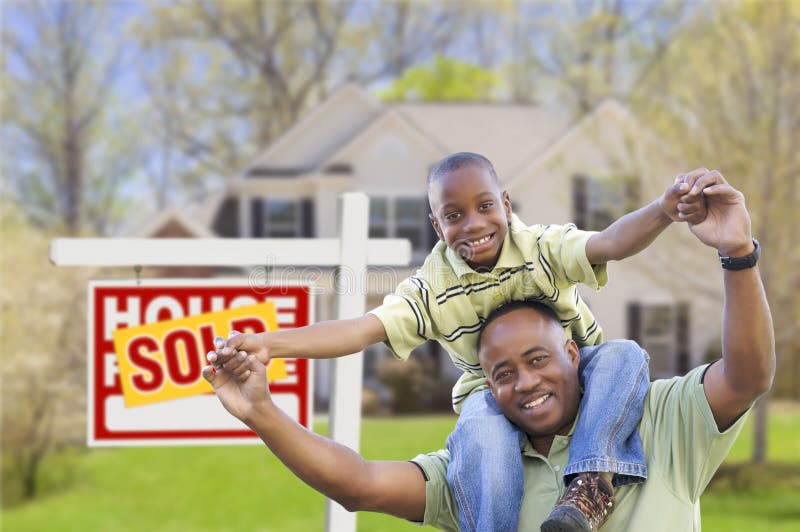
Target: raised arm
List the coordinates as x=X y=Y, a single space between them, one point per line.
x=748 y=344
x=636 y=230
x=395 y=488
x=326 y=339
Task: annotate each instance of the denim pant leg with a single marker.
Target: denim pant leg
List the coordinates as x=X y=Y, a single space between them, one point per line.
x=485 y=470
x=615 y=378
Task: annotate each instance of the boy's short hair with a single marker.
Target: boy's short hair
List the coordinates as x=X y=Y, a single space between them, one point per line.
x=543 y=310
x=454 y=161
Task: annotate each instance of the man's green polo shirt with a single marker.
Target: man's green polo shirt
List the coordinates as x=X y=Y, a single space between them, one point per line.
x=447 y=301
x=682 y=445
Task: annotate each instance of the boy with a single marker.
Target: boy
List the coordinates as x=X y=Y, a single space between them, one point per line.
x=485 y=258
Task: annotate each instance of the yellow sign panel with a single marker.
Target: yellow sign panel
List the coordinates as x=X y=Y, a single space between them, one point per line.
x=163 y=361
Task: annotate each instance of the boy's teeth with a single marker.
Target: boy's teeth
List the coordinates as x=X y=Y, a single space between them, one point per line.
x=537 y=402
x=480 y=241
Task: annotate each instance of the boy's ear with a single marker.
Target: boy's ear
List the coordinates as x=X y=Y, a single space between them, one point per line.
x=507 y=205
x=489 y=384
x=436 y=227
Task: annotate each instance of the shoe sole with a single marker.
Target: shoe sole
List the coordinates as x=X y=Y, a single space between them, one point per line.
x=565 y=519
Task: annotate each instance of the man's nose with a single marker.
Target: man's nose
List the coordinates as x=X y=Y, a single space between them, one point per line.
x=527 y=379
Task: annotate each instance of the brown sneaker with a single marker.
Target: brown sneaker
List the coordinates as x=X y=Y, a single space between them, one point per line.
x=585 y=506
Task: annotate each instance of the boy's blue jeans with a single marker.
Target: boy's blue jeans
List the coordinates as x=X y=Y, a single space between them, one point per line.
x=485 y=470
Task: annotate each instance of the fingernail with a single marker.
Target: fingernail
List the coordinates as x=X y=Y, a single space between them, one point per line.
x=219 y=342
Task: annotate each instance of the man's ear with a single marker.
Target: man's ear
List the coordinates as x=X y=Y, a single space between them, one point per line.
x=507 y=205
x=436 y=227
x=574 y=353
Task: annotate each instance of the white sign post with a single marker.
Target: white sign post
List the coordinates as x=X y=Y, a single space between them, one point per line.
x=347 y=371
x=352 y=252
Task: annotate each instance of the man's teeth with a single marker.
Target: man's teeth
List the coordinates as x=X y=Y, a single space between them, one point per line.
x=480 y=241
x=537 y=402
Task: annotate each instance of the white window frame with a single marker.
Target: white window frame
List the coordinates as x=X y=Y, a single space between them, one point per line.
x=663 y=345
x=393 y=226
x=607 y=196
x=269 y=227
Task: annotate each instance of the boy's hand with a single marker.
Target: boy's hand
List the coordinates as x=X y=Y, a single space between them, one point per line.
x=682 y=201
x=229 y=355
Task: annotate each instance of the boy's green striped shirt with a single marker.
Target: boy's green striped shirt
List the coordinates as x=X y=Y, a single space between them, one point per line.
x=448 y=301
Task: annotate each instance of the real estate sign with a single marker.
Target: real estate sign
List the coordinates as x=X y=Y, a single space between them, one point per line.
x=147 y=346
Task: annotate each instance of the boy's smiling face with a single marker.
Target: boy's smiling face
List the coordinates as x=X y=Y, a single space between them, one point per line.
x=470 y=214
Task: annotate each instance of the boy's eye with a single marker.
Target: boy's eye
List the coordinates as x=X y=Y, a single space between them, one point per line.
x=451 y=217
x=486 y=205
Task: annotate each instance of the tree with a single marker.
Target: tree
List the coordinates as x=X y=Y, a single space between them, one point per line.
x=444 y=80
x=43 y=360
x=725 y=95
x=226 y=78
x=580 y=53
x=70 y=152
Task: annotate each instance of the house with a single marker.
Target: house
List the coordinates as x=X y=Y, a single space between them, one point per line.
x=556 y=170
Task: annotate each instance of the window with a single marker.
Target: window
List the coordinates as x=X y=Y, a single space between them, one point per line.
x=663 y=331
x=378 y=218
x=282 y=218
x=598 y=202
x=412 y=222
x=403 y=217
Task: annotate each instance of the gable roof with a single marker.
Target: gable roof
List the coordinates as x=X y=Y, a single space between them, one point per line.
x=393 y=119
x=330 y=124
x=608 y=110
x=507 y=134
x=172 y=217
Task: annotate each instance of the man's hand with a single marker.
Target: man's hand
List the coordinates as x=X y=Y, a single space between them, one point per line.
x=727 y=224
x=681 y=202
x=242 y=393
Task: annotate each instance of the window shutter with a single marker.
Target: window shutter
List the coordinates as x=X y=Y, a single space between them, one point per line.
x=579 y=206
x=257 y=229
x=635 y=322
x=307 y=217
x=682 y=338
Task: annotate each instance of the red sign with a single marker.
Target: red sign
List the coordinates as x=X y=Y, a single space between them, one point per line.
x=199 y=419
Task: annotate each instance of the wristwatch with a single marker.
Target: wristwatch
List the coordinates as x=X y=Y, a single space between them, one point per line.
x=741 y=263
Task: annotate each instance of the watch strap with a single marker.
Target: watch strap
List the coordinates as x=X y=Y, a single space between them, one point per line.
x=741 y=263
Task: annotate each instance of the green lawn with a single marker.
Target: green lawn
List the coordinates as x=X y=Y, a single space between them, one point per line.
x=246 y=488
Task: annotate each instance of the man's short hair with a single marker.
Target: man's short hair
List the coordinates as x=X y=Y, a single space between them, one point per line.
x=545 y=311
x=453 y=162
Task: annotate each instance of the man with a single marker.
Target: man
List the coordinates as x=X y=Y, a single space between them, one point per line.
x=687 y=429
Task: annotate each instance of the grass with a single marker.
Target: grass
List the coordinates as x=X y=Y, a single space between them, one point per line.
x=205 y=488
x=246 y=488
x=745 y=497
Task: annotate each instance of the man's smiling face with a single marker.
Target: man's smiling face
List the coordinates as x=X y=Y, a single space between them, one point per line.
x=470 y=214
x=531 y=368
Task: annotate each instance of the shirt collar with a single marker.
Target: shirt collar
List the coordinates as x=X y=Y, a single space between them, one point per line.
x=560 y=442
x=510 y=255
